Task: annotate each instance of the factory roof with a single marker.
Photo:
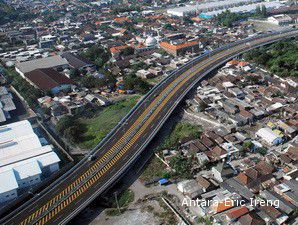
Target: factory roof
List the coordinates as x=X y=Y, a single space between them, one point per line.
x=10 y=181
x=267 y=134
x=53 y=61
x=14 y=130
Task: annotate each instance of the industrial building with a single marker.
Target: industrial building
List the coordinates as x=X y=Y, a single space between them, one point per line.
x=24 y=160
x=178 y=49
x=248 y=8
x=268 y=136
x=43 y=63
x=6 y=104
x=208 y=7
x=281 y=20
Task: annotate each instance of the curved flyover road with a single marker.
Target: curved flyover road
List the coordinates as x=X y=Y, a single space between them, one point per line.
x=72 y=192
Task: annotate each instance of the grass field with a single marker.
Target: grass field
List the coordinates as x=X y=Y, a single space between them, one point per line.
x=124 y=199
x=155 y=168
x=103 y=122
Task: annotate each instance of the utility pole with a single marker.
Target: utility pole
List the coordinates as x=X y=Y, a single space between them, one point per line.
x=115 y=194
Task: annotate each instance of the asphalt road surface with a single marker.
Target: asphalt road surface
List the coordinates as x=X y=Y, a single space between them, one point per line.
x=65 y=199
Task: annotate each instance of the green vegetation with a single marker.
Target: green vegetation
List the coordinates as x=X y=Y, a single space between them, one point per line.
x=9 y=14
x=28 y=92
x=155 y=168
x=182 y=166
x=89 y=81
x=169 y=26
x=261 y=11
x=103 y=122
x=279 y=58
x=181 y=132
x=132 y=82
x=167 y=216
x=246 y=146
x=187 y=20
x=124 y=199
x=97 y=54
x=70 y=129
x=262 y=151
x=204 y=220
x=295 y=213
x=127 y=51
x=228 y=18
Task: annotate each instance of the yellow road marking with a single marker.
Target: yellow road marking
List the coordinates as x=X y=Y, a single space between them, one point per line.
x=135 y=137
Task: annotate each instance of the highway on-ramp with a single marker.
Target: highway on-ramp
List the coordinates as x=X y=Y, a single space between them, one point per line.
x=70 y=194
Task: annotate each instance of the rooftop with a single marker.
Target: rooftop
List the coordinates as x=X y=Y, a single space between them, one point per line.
x=53 y=61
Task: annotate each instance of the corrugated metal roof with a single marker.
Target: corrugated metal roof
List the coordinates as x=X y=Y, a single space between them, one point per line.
x=23 y=169
x=36 y=152
x=10 y=181
x=48 y=62
x=48 y=159
x=47 y=79
x=15 y=130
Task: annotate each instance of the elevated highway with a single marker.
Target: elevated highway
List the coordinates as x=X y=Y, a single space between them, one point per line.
x=66 y=197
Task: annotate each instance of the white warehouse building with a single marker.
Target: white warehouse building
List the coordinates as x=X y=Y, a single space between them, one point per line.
x=268 y=136
x=248 y=8
x=207 y=7
x=24 y=161
x=8 y=189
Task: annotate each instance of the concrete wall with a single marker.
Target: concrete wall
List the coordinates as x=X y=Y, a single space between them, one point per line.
x=9 y=195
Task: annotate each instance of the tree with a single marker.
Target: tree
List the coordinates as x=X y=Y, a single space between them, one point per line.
x=127 y=51
x=187 y=20
x=264 y=11
x=96 y=54
x=89 y=81
x=227 y=18
x=262 y=151
x=74 y=74
x=28 y=92
x=73 y=133
x=132 y=82
x=64 y=123
x=258 y=10
x=279 y=58
x=169 y=26
x=182 y=166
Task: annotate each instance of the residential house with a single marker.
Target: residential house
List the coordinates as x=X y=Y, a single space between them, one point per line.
x=222 y=171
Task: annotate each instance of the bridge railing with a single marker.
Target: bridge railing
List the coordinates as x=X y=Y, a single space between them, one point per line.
x=172 y=75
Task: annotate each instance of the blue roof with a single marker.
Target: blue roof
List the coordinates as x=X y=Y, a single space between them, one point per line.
x=204 y=16
x=163 y=181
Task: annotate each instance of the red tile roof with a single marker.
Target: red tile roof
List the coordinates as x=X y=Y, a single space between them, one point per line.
x=235 y=214
x=233 y=62
x=179 y=46
x=46 y=79
x=251 y=219
x=243 y=178
x=122 y=19
x=222 y=206
x=117 y=49
x=242 y=64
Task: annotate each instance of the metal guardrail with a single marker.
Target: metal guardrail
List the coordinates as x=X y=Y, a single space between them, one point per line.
x=125 y=167
x=171 y=76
